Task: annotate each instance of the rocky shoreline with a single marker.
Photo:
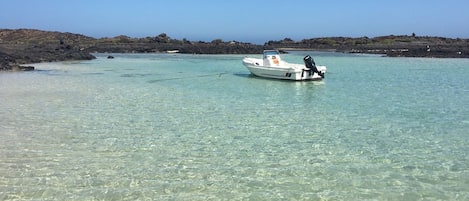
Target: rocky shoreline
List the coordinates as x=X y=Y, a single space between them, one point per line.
x=23 y=46
x=392 y=46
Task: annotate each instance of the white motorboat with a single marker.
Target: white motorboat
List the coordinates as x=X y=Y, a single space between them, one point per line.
x=272 y=66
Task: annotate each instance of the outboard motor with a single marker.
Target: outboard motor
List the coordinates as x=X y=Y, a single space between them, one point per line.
x=309 y=63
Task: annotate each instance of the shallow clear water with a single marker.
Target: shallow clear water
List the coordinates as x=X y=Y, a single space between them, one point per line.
x=199 y=127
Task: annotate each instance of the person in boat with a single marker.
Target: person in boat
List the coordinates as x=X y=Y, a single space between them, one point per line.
x=275 y=60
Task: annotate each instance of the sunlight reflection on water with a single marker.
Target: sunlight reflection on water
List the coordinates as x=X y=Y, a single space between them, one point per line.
x=200 y=127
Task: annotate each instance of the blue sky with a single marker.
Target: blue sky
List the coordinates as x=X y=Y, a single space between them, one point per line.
x=256 y=21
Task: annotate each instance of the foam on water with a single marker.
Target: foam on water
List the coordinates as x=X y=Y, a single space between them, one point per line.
x=198 y=127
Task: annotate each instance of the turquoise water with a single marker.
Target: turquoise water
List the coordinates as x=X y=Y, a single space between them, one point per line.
x=199 y=127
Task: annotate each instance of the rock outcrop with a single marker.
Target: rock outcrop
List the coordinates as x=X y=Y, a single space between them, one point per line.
x=22 y=46
x=393 y=46
x=163 y=43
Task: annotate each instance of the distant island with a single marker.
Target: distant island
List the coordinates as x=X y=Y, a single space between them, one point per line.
x=23 y=46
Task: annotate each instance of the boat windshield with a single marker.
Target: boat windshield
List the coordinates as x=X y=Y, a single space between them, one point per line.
x=270 y=53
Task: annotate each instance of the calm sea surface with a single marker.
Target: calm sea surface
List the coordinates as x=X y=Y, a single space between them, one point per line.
x=200 y=127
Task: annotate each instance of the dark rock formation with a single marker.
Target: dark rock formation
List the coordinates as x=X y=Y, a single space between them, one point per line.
x=162 y=43
x=22 y=46
x=394 y=46
x=6 y=61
